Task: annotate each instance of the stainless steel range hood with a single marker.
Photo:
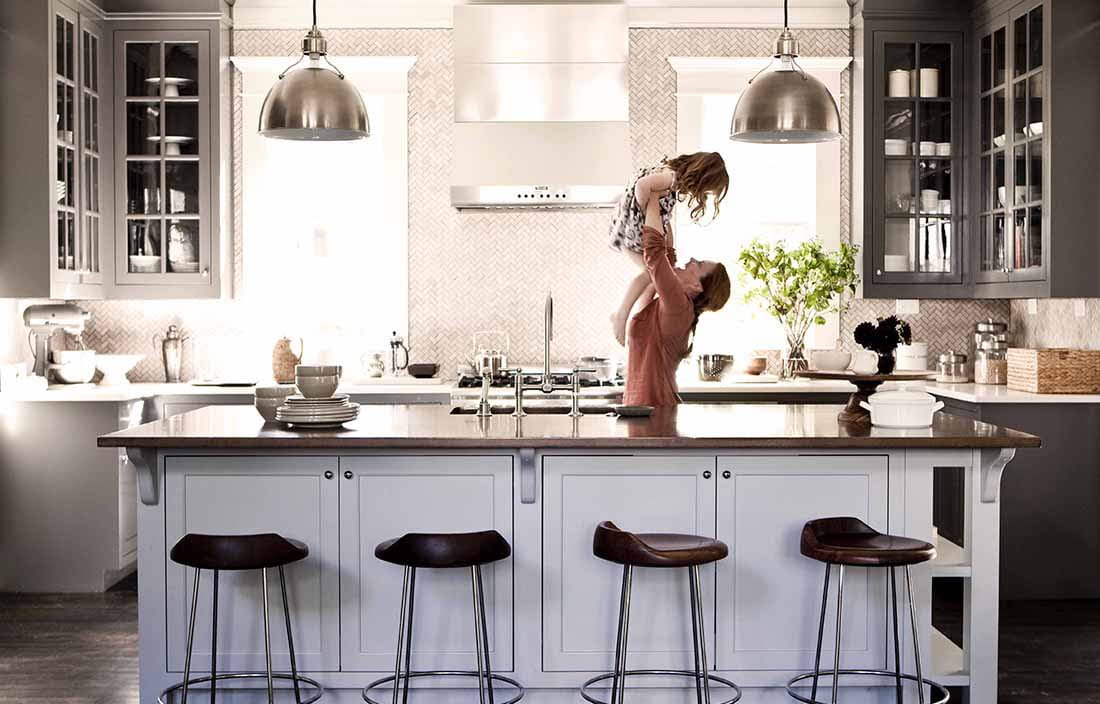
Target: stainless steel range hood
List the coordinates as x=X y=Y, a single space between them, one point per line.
x=541 y=106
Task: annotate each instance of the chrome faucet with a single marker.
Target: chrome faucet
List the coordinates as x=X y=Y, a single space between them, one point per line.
x=547 y=384
x=484 y=407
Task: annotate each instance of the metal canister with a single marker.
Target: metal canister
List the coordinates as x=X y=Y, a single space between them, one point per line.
x=951 y=368
x=171 y=349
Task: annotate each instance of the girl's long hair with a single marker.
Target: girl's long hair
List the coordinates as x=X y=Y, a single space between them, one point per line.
x=716 y=291
x=697 y=176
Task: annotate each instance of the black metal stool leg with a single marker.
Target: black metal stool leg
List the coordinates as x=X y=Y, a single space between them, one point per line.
x=897 y=640
x=409 y=634
x=484 y=630
x=290 y=639
x=839 y=614
x=697 y=585
x=477 y=636
x=267 y=640
x=190 y=636
x=695 y=641
x=623 y=637
x=214 y=643
x=821 y=629
x=401 y=637
x=916 y=638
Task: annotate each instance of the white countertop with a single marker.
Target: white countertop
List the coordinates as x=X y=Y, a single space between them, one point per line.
x=969 y=393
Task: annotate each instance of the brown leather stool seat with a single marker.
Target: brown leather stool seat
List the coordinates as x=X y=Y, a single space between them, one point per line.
x=850 y=541
x=237 y=552
x=655 y=549
x=439 y=550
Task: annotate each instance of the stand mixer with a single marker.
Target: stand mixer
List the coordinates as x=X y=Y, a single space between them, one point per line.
x=45 y=320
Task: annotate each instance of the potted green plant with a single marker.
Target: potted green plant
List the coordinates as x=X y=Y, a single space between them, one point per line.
x=883 y=337
x=798 y=286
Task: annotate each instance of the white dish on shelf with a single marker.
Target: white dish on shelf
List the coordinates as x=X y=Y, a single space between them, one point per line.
x=896 y=147
x=144 y=264
x=183 y=267
x=171 y=143
x=172 y=85
x=1035 y=129
x=999 y=141
x=943 y=148
x=927 y=148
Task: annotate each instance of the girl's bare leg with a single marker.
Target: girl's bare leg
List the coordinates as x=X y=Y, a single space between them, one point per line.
x=635 y=291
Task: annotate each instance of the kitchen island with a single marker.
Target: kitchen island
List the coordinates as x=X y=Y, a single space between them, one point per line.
x=750 y=475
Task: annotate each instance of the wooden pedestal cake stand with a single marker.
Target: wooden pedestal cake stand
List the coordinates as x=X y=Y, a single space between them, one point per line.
x=865 y=386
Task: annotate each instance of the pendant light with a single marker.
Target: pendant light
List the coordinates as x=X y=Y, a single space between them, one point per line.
x=787 y=105
x=314 y=102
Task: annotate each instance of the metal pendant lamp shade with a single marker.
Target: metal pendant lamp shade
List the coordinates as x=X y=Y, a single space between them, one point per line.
x=785 y=106
x=315 y=102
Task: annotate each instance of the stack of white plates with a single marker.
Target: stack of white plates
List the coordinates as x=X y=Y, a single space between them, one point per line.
x=330 y=412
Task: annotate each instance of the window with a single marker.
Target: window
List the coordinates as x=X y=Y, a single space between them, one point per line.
x=788 y=192
x=325 y=224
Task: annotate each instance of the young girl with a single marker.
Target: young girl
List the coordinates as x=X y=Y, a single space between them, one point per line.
x=689 y=177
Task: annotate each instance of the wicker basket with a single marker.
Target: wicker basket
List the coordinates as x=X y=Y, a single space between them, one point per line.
x=1054 y=371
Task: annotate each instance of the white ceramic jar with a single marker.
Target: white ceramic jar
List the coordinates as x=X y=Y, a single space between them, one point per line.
x=912 y=357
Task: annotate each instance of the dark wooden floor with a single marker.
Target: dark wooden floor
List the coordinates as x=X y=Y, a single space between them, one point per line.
x=82 y=649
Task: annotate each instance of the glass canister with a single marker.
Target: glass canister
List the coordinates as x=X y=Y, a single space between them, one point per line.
x=951 y=368
x=987 y=331
x=991 y=363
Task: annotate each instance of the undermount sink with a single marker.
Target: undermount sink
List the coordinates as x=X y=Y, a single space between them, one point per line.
x=531 y=410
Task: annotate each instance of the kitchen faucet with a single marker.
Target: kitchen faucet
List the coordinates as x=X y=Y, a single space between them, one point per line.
x=547 y=386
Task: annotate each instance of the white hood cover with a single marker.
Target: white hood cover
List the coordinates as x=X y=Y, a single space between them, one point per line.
x=541 y=106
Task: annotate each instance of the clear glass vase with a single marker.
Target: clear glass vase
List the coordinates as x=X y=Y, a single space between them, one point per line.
x=795 y=359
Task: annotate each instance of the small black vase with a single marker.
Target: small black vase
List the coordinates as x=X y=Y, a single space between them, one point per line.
x=886 y=363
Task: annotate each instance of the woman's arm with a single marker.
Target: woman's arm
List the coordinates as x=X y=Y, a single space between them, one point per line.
x=656 y=182
x=655 y=252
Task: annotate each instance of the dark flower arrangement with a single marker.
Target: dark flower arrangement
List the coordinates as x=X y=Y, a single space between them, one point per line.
x=883 y=338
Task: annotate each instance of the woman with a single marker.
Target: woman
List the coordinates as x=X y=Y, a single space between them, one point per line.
x=660 y=335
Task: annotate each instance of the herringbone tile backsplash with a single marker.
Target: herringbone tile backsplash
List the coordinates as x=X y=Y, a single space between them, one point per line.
x=472 y=271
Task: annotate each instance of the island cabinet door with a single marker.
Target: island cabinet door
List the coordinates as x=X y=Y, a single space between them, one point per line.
x=290 y=496
x=643 y=494
x=385 y=497
x=768 y=594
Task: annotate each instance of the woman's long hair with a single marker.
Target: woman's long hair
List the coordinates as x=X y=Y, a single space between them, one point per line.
x=697 y=176
x=716 y=291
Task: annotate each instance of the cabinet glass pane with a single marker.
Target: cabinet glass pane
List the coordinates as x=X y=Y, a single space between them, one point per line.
x=999 y=119
x=61 y=239
x=183 y=246
x=999 y=57
x=1019 y=110
x=70 y=241
x=899 y=187
x=1019 y=45
x=143 y=246
x=987 y=123
x=66 y=108
x=999 y=244
x=93 y=238
x=987 y=63
x=181 y=129
x=1019 y=167
x=66 y=48
x=1034 y=246
x=1035 y=38
x=143 y=191
x=88 y=57
x=901 y=76
x=934 y=244
x=986 y=183
x=935 y=187
x=91 y=183
x=182 y=178
x=1018 y=240
x=181 y=69
x=999 y=180
x=1034 y=105
x=142 y=69
x=142 y=128
x=1035 y=170
x=935 y=127
x=65 y=182
x=91 y=122
x=934 y=77
x=900 y=245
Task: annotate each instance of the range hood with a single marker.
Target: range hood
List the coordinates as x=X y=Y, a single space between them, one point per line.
x=541 y=106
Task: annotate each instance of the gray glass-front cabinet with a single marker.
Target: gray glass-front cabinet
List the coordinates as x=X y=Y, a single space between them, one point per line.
x=913 y=155
x=163 y=176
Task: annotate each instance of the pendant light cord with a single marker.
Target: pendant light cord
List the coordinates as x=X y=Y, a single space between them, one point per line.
x=315 y=12
x=785 y=23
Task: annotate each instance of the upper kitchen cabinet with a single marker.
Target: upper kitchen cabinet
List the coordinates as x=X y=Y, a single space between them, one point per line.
x=169 y=154
x=908 y=151
x=55 y=218
x=1034 y=110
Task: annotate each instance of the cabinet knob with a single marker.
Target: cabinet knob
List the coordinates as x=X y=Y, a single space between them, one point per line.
x=348 y=474
x=878 y=272
x=726 y=474
x=206 y=273
x=329 y=474
x=706 y=474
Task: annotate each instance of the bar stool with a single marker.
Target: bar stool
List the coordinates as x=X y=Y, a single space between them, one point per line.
x=442 y=551
x=851 y=542
x=239 y=552
x=661 y=550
